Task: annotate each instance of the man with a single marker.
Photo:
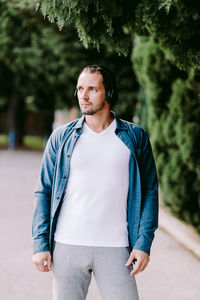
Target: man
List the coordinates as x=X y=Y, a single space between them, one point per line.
x=96 y=198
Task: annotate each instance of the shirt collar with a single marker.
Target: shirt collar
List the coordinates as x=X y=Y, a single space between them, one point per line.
x=120 y=125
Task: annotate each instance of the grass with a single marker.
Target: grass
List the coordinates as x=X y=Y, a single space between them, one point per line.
x=34 y=142
x=30 y=142
x=3 y=140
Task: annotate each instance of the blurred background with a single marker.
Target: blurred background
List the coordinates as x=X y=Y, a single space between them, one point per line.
x=153 y=50
x=158 y=79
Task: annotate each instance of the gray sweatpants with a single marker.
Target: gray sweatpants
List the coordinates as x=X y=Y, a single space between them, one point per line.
x=73 y=266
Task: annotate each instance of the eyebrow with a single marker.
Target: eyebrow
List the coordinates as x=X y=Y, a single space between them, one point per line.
x=91 y=86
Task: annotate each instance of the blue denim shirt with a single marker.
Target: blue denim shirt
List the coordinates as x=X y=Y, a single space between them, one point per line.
x=142 y=201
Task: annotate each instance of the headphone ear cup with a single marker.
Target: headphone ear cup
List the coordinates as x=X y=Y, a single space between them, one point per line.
x=109 y=96
x=76 y=94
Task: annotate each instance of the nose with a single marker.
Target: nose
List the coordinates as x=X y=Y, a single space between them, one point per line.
x=84 y=94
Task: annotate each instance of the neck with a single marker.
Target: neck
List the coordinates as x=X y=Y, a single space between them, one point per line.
x=99 y=122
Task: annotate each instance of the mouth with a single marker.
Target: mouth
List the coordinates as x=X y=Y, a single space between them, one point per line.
x=85 y=104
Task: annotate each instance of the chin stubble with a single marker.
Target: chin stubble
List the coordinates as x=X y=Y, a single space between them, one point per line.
x=91 y=111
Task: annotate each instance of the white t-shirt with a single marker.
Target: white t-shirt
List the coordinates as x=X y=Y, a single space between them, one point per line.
x=94 y=208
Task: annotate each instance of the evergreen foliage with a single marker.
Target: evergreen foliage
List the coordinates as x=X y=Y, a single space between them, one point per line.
x=175 y=24
x=97 y=22
x=39 y=65
x=35 y=64
x=173 y=110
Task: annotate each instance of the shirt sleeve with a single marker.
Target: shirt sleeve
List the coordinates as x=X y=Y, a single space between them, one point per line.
x=41 y=216
x=149 y=186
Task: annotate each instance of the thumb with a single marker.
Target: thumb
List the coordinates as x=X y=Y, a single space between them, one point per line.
x=49 y=263
x=129 y=261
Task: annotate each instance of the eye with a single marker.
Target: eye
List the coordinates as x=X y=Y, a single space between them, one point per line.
x=79 y=89
x=93 y=89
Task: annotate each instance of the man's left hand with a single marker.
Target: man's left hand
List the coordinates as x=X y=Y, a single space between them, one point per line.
x=142 y=260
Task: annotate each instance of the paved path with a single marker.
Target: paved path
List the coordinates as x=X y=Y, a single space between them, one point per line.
x=173 y=273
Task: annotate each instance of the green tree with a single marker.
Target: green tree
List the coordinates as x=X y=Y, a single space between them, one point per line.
x=39 y=61
x=30 y=56
x=175 y=24
x=173 y=110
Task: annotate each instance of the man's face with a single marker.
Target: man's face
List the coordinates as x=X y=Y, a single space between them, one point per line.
x=91 y=93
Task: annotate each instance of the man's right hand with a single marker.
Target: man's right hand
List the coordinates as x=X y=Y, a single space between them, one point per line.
x=42 y=261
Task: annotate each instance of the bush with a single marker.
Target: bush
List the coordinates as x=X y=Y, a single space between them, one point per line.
x=173 y=110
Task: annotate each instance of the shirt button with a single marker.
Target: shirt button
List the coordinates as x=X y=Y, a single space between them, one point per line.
x=57 y=197
x=64 y=177
x=68 y=155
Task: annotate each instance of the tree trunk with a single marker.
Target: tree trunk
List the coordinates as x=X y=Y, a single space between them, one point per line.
x=48 y=117
x=16 y=117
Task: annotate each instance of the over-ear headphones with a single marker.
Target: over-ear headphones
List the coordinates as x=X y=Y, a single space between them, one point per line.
x=109 y=82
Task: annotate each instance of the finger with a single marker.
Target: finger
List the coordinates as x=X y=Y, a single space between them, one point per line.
x=140 y=268
x=41 y=268
x=49 y=263
x=46 y=269
x=143 y=266
x=130 y=260
x=45 y=266
x=42 y=265
x=38 y=267
x=136 y=268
